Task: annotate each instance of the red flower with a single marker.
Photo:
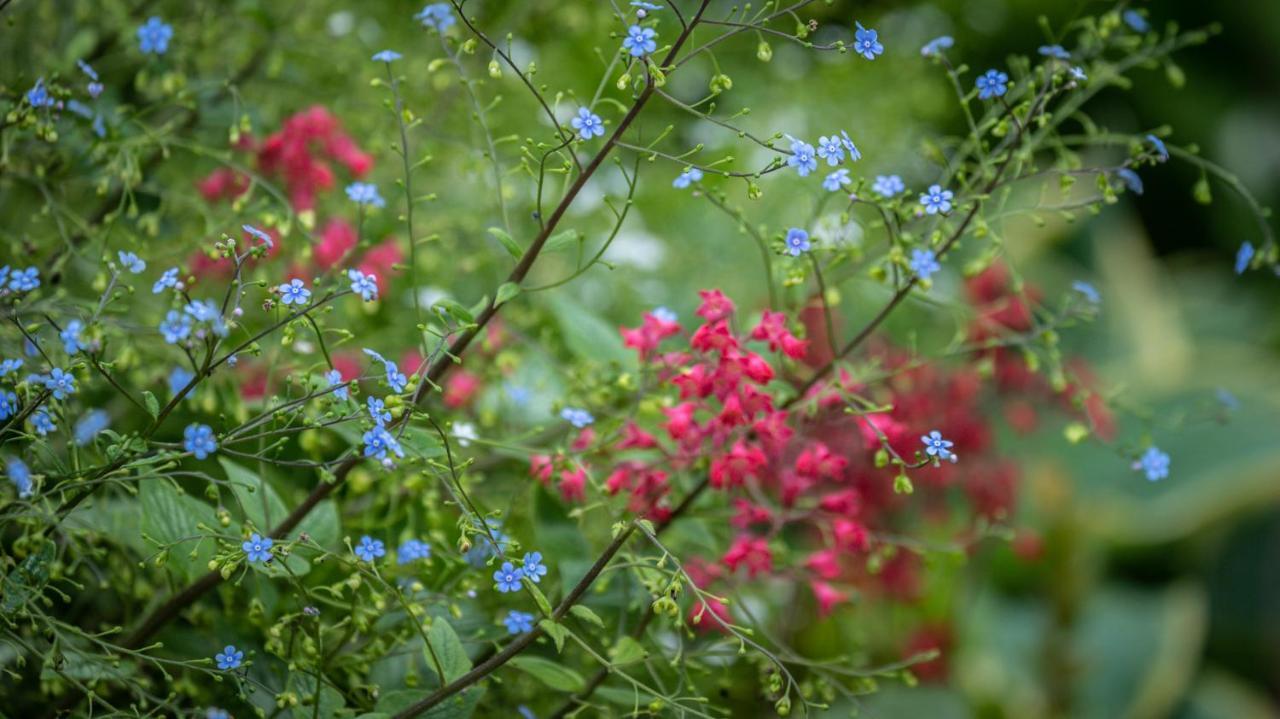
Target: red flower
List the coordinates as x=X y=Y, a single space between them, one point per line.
x=732 y=470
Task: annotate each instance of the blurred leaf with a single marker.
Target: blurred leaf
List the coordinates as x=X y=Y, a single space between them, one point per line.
x=27 y=580
x=587 y=336
x=558 y=536
x=556 y=676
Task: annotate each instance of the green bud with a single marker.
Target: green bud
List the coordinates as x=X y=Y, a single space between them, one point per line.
x=764 y=51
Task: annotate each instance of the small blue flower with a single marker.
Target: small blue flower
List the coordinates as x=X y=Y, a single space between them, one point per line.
x=168 y=280
x=854 y=154
x=8 y=404
x=257 y=548
x=534 y=569
x=395 y=377
x=72 y=338
x=518 y=622
x=686 y=178
x=640 y=41
x=178 y=379
x=1131 y=180
x=867 y=42
x=370 y=549
x=1162 y=152
x=80 y=109
x=661 y=313
x=95 y=89
x=90 y=426
x=924 y=263
x=87 y=69
x=1153 y=463
x=937 y=45
x=1228 y=400
x=198 y=440
x=836 y=180
x=294 y=292
x=1136 y=21
x=229 y=658
x=154 y=36
x=365 y=193
x=803 y=157
x=992 y=83
x=38 y=95
x=507 y=578
x=378 y=410
x=831 y=150
x=387 y=56
x=10 y=365
x=1089 y=292
x=255 y=232
x=20 y=475
x=640 y=4
x=1055 y=51
x=937 y=447
x=216 y=713
x=24 y=280
x=888 y=186
x=176 y=327
x=437 y=16
x=378 y=441
x=937 y=200
x=364 y=285
x=483 y=549
x=577 y=417
x=60 y=383
x=588 y=124
x=1244 y=256
x=334 y=378
x=207 y=312
x=1078 y=74
x=41 y=422
x=797 y=242
x=411 y=550
x=131 y=262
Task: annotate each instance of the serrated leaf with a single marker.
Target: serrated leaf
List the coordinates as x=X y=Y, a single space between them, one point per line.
x=507 y=292
x=513 y=247
x=584 y=613
x=557 y=633
x=448 y=650
x=554 y=675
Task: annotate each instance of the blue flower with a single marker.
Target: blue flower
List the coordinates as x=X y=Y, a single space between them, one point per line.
x=937 y=45
x=937 y=200
x=8 y=404
x=588 y=124
x=1136 y=21
x=255 y=232
x=364 y=285
x=1089 y=292
x=1130 y=179
x=1244 y=256
x=1228 y=401
x=924 y=263
x=378 y=441
x=198 y=440
x=937 y=447
x=80 y=109
x=1078 y=74
x=797 y=242
x=888 y=186
x=686 y=178
x=484 y=548
x=1162 y=152
x=534 y=569
x=1153 y=463
x=24 y=280
x=72 y=341
x=992 y=83
x=41 y=422
x=507 y=578
x=20 y=475
x=178 y=379
x=854 y=155
x=518 y=622
x=229 y=658
x=437 y=16
x=294 y=292
x=664 y=314
x=831 y=150
x=803 y=157
x=370 y=549
x=216 y=713
x=334 y=378
x=411 y=550
x=90 y=426
x=836 y=180
x=176 y=327
x=10 y=365
x=154 y=36
x=207 y=312
x=867 y=43
x=387 y=56
x=87 y=69
x=257 y=548
x=95 y=89
x=39 y=95
x=60 y=383
x=640 y=41
x=131 y=262
x=577 y=417
x=395 y=377
x=1055 y=51
x=365 y=193
x=167 y=280
x=378 y=410
x=640 y=4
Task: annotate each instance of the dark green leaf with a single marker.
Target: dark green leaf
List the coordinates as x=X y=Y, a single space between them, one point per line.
x=554 y=675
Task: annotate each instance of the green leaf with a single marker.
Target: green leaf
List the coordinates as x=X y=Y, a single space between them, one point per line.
x=540 y=599
x=264 y=509
x=589 y=337
x=557 y=633
x=457 y=311
x=627 y=651
x=562 y=241
x=559 y=537
x=507 y=292
x=554 y=675
x=585 y=614
x=153 y=405
x=304 y=685
x=513 y=247
x=448 y=650
x=170 y=517
x=458 y=706
x=25 y=581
